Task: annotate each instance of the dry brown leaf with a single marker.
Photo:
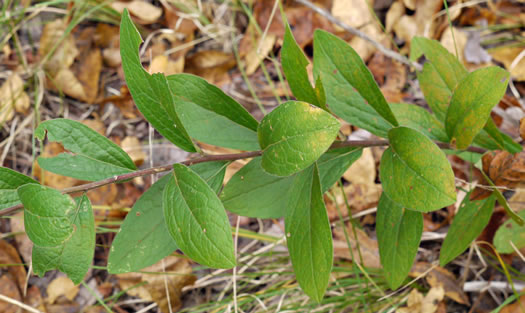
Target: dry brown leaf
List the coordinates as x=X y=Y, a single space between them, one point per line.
x=507 y=169
x=259 y=53
x=211 y=65
x=460 y=39
x=179 y=276
x=175 y=22
x=132 y=146
x=96 y=124
x=9 y=289
x=13 y=98
x=61 y=286
x=66 y=82
x=368 y=248
x=112 y=57
x=146 y=12
x=16 y=273
x=52 y=149
x=88 y=73
x=424 y=16
x=65 y=53
x=439 y=276
x=508 y=56
x=24 y=244
x=362 y=171
x=517 y=201
x=411 y=4
x=34 y=299
x=163 y=64
x=396 y=11
x=416 y=303
x=357 y=14
x=106 y=35
x=406 y=28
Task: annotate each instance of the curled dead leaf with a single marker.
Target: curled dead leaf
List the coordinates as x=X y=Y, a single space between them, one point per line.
x=61 y=286
x=13 y=98
x=439 y=276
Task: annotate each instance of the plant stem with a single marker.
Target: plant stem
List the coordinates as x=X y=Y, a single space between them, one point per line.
x=211 y=158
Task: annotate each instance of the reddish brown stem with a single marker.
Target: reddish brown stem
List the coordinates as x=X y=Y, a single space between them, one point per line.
x=211 y=158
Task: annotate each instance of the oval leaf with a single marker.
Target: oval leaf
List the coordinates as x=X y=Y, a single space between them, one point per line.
x=94 y=157
x=440 y=75
x=47 y=214
x=468 y=223
x=143 y=238
x=509 y=232
x=415 y=173
x=196 y=219
x=74 y=256
x=309 y=235
x=295 y=135
x=294 y=66
x=150 y=92
x=333 y=55
x=416 y=117
x=253 y=192
x=9 y=181
x=398 y=235
x=212 y=116
x=472 y=101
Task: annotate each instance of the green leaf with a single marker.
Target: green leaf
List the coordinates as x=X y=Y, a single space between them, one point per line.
x=295 y=135
x=73 y=256
x=468 y=156
x=206 y=126
x=150 y=92
x=344 y=101
x=334 y=163
x=294 y=66
x=253 y=192
x=472 y=101
x=9 y=181
x=333 y=55
x=196 y=219
x=416 y=117
x=509 y=232
x=47 y=214
x=468 y=223
x=398 y=235
x=143 y=238
x=440 y=76
x=309 y=236
x=210 y=115
x=415 y=173
x=94 y=157
x=212 y=173
x=503 y=141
